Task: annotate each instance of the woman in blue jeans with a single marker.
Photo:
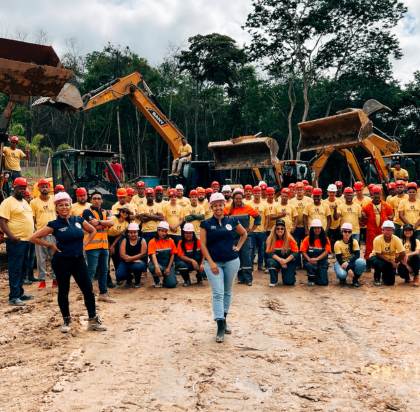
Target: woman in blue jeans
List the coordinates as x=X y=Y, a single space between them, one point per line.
x=218 y=236
x=133 y=251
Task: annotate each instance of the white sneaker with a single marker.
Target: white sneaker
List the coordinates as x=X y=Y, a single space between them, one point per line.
x=65 y=328
x=272 y=285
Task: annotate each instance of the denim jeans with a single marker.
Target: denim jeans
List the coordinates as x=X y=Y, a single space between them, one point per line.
x=358 y=268
x=43 y=254
x=221 y=285
x=184 y=270
x=97 y=260
x=383 y=269
x=126 y=269
x=258 y=246
x=169 y=281
x=317 y=273
x=288 y=274
x=357 y=237
x=245 y=269
x=17 y=262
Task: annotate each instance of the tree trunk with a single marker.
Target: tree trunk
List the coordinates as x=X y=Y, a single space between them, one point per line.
x=119 y=134
x=292 y=100
x=305 y=109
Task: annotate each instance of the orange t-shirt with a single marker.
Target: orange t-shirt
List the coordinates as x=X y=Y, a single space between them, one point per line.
x=161 y=244
x=278 y=244
x=188 y=246
x=317 y=244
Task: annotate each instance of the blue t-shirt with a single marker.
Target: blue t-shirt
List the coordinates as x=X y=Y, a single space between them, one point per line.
x=221 y=237
x=69 y=235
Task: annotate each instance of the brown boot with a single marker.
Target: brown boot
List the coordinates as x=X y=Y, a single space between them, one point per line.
x=104 y=297
x=416 y=280
x=95 y=324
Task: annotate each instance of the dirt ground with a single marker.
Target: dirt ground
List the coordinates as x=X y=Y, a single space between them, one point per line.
x=292 y=349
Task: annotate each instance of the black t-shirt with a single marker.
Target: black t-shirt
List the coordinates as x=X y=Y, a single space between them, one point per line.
x=69 y=235
x=221 y=238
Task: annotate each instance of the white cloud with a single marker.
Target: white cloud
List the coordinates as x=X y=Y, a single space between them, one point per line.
x=150 y=26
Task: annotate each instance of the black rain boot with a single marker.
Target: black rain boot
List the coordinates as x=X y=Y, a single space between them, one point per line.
x=228 y=330
x=220 y=337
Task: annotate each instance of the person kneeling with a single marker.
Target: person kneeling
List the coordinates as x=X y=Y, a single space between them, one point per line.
x=411 y=262
x=282 y=251
x=189 y=254
x=315 y=249
x=347 y=253
x=162 y=252
x=132 y=252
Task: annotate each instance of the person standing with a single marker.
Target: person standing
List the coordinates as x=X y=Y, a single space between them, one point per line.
x=17 y=223
x=184 y=155
x=181 y=199
x=227 y=193
x=256 y=233
x=333 y=202
x=299 y=203
x=203 y=202
x=150 y=215
x=123 y=202
x=12 y=157
x=317 y=210
x=195 y=213
x=97 y=248
x=350 y=212
x=118 y=170
x=395 y=203
x=43 y=209
x=220 y=249
x=362 y=200
x=82 y=203
x=140 y=198
x=287 y=212
x=409 y=209
x=173 y=213
x=68 y=259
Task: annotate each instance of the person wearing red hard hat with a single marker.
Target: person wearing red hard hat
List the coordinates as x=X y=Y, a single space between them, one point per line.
x=68 y=259
x=209 y=192
x=248 y=194
x=139 y=198
x=257 y=236
x=159 y=196
x=395 y=203
x=339 y=185
x=194 y=213
x=374 y=215
x=150 y=215
x=203 y=202
x=392 y=191
x=122 y=196
x=58 y=189
x=350 y=212
x=292 y=190
x=215 y=185
x=17 y=223
x=12 y=157
x=362 y=200
x=317 y=210
x=409 y=209
x=272 y=210
x=286 y=212
x=308 y=191
x=81 y=202
x=130 y=193
x=174 y=213
x=43 y=208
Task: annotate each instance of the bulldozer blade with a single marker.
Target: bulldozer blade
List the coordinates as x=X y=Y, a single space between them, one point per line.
x=69 y=98
x=246 y=152
x=342 y=130
x=28 y=69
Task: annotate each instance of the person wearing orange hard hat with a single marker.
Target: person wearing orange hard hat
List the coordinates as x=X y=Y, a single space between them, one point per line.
x=257 y=236
x=12 y=157
x=122 y=201
x=209 y=192
x=16 y=222
x=81 y=202
x=215 y=185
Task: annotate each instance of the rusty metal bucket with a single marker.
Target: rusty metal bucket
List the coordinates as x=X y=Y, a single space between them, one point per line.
x=342 y=130
x=244 y=152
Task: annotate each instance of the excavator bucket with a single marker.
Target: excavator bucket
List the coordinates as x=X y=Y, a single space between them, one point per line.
x=28 y=69
x=245 y=152
x=68 y=99
x=345 y=129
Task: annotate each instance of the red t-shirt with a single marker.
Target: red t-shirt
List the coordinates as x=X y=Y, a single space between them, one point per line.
x=118 y=170
x=189 y=246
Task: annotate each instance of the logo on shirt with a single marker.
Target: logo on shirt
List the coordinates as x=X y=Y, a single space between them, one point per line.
x=228 y=227
x=62 y=229
x=78 y=225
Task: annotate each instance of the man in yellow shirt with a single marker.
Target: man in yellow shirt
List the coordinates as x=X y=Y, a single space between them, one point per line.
x=398 y=172
x=139 y=199
x=395 y=202
x=287 y=212
x=317 y=210
x=123 y=202
x=350 y=212
x=82 y=204
x=388 y=251
x=272 y=212
x=362 y=200
x=299 y=203
x=332 y=202
x=184 y=155
x=174 y=215
x=194 y=213
x=150 y=215
x=17 y=223
x=409 y=209
x=12 y=157
x=202 y=201
x=181 y=199
x=43 y=209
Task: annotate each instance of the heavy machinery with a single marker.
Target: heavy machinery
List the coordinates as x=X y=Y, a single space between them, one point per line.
x=343 y=133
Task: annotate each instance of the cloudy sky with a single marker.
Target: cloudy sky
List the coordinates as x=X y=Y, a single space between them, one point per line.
x=152 y=27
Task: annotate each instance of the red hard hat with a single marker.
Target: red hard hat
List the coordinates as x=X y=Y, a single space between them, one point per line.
x=149 y=191
x=81 y=191
x=412 y=185
x=158 y=189
x=392 y=185
x=305 y=182
x=358 y=186
x=193 y=193
x=215 y=183
x=371 y=186
x=140 y=184
x=308 y=187
x=58 y=188
x=248 y=187
x=263 y=186
x=347 y=189
x=43 y=182
x=292 y=185
x=256 y=189
x=285 y=190
x=14 y=139
x=130 y=191
x=339 y=183
x=376 y=189
x=270 y=190
x=20 y=181
x=400 y=183
x=209 y=191
x=172 y=192
x=200 y=189
x=317 y=191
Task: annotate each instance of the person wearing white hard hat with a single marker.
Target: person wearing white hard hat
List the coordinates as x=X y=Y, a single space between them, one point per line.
x=315 y=249
x=133 y=254
x=181 y=199
x=332 y=201
x=220 y=247
x=162 y=251
x=388 y=252
x=227 y=193
x=189 y=256
x=347 y=253
x=68 y=259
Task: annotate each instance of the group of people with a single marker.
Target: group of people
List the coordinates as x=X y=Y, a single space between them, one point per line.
x=215 y=233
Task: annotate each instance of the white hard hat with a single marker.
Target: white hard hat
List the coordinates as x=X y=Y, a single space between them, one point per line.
x=133 y=226
x=61 y=196
x=346 y=226
x=179 y=186
x=188 y=227
x=163 y=225
x=332 y=188
x=316 y=223
x=226 y=188
x=388 y=224
x=216 y=197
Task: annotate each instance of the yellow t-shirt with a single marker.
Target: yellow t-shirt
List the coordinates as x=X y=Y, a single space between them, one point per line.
x=183 y=202
x=138 y=201
x=291 y=213
x=183 y=150
x=300 y=205
x=321 y=212
x=362 y=202
x=173 y=215
x=248 y=201
x=341 y=248
x=195 y=210
x=206 y=206
x=407 y=246
x=395 y=202
x=43 y=212
x=272 y=209
x=389 y=249
x=399 y=174
x=155 y=209
x=350 y=214
x=77 y=209
x=335 y=223
x=118 y=227
x=411 y=211
x=19 y=217
x=12 y=158
x=117 y=206
x=261 y=208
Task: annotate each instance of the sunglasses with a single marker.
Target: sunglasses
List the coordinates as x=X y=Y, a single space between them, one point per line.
x=346 y=231
x=96 y=198
x=280 y=228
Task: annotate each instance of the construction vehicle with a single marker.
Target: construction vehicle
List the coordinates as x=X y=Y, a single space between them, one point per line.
x=231 y=158
x=346 y=131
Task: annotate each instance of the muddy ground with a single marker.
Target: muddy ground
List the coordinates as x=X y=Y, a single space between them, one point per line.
x=292 y=349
